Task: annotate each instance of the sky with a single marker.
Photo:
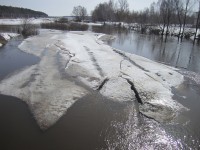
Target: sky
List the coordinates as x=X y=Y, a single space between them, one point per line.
x=65 y=7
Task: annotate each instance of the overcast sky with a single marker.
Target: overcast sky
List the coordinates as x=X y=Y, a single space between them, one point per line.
x=65 y=7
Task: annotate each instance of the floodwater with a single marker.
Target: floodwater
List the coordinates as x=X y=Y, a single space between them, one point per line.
x=95 y=122
x=12 y=59
x=175 y=53
x=183 y=55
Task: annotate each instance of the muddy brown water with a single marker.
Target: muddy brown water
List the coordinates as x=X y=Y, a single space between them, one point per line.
x=95 y=122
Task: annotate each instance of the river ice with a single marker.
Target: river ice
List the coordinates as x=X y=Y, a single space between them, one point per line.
x=49 y=88
x=43 y=87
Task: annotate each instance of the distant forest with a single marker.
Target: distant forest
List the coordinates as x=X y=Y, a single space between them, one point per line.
x=16 y=12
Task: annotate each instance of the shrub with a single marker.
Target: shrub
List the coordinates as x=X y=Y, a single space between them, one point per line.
x=28 y=29
x=2 y=40
x=64 y=26
x=154 y=31
x=188 y=35
x=62 y=20
x=78 y=27
x=55 y=25
x=143 y=30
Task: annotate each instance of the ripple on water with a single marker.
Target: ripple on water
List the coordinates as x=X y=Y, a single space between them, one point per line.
x=136 y=131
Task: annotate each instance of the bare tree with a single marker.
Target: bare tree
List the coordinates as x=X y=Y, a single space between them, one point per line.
x=111 y=10
x=104 y=12
x=179 y=12
x=101 y=12
x=170 y=13
x=123 y=10
x=152 y=13
x=28 y=28
x=123 y=5
x=187 y=6
x=197 y=21
x=79 y=12
x=166 y=13
x=163 y=14
x=144 y=19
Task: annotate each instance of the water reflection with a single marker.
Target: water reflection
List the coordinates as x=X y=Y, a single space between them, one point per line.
x=172 y=52
x=10 y=28
x=12 y=59
x=134 y=131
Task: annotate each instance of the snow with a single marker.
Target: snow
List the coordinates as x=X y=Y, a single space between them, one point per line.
x=8 y=36
x=5 y=36
x=152 y=80
x=118 y=89
x=43 y=86
x=195 y=77
x=19 y=21
x=82 y=56
x=93 y=24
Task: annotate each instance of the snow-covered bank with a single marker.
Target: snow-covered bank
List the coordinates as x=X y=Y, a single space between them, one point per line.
x=4 y=37
x=20 y=21
x=49 y=88
x=8 y=36
x=93 y=24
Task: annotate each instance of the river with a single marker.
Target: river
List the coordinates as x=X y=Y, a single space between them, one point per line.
x=97 y=123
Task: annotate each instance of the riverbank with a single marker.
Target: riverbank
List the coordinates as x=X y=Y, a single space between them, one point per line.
x=75 y=63
x=5 y=37
x=20 y=21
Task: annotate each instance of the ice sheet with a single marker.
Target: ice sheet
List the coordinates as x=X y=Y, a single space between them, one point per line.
x=83 y=57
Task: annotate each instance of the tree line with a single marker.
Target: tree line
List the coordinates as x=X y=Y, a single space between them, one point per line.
x=16 y=12
x=163 y=13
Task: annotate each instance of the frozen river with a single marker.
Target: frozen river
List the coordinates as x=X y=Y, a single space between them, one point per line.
x=94 y=122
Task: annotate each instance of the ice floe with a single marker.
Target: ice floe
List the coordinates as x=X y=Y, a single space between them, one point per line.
x=43 y=87
x=153 y=81
x=49 y=90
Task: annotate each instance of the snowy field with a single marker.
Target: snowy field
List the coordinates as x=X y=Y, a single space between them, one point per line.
x=7 y=36
x=75 y=63
x=20 y=21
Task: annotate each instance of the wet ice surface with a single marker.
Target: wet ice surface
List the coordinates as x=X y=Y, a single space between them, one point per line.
x=188 y=94
x=49 y=87
x=42 y=86
x=131 y=130
x=138 y=132
x=194 y=77
x=83 y=56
